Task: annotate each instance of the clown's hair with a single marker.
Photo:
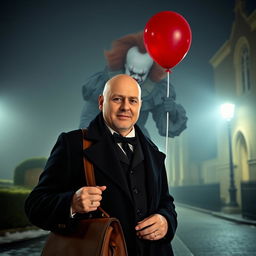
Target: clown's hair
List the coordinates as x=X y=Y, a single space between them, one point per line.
x=116 y=56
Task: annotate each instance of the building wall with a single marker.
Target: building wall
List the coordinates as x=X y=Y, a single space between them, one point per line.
x=227 y=67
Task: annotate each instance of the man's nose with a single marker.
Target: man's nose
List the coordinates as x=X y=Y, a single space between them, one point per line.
x=125 y=104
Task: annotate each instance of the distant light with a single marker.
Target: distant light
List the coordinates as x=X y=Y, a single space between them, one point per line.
x=227 y=111
x=4 y=112
x=1 y=112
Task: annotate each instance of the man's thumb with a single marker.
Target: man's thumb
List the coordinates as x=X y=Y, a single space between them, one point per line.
x=102 y=188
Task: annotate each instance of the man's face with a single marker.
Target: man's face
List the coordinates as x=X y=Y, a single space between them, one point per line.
x=120 y=104
x=137 y=64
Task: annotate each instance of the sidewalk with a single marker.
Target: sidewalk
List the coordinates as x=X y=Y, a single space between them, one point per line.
x=20 y=235
x=231 y=217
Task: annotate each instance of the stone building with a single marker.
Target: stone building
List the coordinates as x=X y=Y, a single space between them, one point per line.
x=234 y=68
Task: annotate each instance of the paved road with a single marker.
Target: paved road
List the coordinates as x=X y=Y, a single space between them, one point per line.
x=198 y=234
x=206 y=235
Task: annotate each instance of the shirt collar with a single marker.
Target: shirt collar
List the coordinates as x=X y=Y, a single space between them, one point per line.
x=129 y=135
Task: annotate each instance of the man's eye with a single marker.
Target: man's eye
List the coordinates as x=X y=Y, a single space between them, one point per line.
x=133 y=101
x=117 y=99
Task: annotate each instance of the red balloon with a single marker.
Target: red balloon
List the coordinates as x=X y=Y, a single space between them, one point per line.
x=167 y=38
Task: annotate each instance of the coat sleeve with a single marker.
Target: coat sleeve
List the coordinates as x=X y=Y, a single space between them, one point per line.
x=48 y=205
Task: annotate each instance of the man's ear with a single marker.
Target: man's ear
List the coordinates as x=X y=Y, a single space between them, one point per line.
x=100 y=102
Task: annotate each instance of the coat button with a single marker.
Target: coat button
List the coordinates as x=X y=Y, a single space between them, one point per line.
x=131 y=172
x=138 y=212
x=135 y=191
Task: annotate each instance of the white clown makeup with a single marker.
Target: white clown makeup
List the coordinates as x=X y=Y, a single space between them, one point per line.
x=137 y=64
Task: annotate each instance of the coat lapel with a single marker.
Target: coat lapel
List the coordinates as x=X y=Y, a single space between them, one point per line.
x=154 y=161
x=138 y=156
x=103 y=156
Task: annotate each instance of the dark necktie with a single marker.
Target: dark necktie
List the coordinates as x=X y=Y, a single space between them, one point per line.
x=125 y=143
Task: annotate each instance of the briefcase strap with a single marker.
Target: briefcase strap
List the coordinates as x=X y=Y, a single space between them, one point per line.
x=89 y=170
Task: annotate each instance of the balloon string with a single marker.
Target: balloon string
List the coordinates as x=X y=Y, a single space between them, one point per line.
x=168 y=83
x=167 y=113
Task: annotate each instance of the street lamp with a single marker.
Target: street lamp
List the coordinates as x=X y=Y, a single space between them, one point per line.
x=227 y=112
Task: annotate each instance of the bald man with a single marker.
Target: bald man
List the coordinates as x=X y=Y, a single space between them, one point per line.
x=129 y=171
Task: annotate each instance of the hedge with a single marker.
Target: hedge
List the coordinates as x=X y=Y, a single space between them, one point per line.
x=5 y=183
x=12 y=201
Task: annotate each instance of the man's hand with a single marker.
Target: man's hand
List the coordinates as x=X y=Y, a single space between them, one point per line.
x=152 y=228
x=87 y=199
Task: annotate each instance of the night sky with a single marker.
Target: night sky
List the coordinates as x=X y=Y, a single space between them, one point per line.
x=48 y=48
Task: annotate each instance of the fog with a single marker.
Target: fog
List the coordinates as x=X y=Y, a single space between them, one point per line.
x=49 y=48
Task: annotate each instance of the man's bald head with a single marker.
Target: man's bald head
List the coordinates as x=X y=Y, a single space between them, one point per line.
x=124 y=79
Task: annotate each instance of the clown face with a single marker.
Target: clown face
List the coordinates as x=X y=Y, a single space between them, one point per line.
x=137 y=64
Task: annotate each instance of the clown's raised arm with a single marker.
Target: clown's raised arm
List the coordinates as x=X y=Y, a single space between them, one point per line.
x=128 y=55
x=155 y=101
x=177 y=114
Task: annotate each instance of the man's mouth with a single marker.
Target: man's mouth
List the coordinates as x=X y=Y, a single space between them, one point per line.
x=123 y=116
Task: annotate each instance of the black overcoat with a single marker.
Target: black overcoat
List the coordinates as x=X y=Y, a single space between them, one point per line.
x=48 y=205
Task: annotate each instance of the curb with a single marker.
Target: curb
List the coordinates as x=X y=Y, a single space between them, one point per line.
x=219 y=214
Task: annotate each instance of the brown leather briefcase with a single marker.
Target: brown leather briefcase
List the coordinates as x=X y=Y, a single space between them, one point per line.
x=91 y=237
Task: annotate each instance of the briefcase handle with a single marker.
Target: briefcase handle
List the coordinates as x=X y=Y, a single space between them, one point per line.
x=89 y=170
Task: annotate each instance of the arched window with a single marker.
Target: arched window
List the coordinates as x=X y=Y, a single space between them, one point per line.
x=245 y=69
x=242 y=65
x=241 y=157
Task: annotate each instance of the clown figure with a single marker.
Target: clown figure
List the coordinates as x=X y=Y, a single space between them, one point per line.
x=128 y=55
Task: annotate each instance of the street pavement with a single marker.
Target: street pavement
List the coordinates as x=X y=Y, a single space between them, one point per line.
x=206 y=234
x=199 y=233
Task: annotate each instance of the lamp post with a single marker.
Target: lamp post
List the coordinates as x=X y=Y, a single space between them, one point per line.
x=227 y=112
